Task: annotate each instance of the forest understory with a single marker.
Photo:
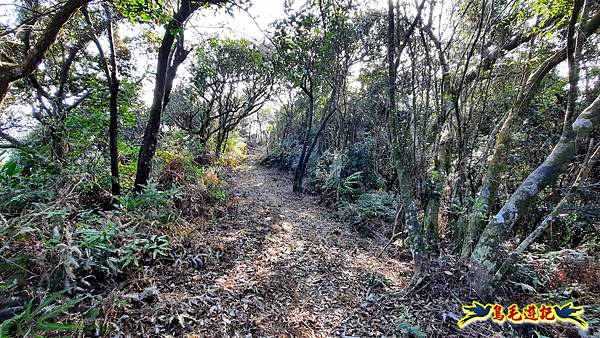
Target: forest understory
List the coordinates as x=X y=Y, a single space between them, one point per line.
x=278 y=264
x=281 y=264
x=273 y=263
x=307 y=168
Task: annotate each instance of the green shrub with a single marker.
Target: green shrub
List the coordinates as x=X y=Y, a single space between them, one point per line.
x=219 y=195
x=150 y=197
x=133 y=252
x=377 y=205
x=111 y=249
x=22 y=185
x=407 y=329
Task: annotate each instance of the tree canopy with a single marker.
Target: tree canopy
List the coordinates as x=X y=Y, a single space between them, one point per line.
x=456 y=141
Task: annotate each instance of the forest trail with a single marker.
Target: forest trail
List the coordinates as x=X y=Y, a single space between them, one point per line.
x=280 y=265
x=307 y=272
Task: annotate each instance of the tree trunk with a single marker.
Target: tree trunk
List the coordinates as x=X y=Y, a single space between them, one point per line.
x=219 y=144
x=112 y=82
x=298 y=174
x=38 y=51
x=485 y=256
x=586 y=167
x=496 y=166
x=58 y=145
x=432 y=210
x=113 y=127
x=417 y=245
x=162 y=82
x=329 y=110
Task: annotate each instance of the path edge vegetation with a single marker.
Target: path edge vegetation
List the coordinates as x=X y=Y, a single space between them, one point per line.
x=311 y=55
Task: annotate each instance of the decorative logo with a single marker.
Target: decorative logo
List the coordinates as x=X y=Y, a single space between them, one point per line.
x=529 y=314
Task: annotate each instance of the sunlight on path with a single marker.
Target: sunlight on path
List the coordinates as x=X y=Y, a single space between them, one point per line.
x=311 y=271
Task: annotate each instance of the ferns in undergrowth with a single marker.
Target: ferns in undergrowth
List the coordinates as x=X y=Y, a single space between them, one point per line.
x=39 y=316
x=58 y=234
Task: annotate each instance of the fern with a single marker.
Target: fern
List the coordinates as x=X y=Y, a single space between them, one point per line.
x=35 y=319
x=9 y=323
x=407 y=328
x=351 y=183
x=377 y=205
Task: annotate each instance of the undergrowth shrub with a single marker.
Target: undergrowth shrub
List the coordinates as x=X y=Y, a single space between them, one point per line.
x=61 y=234
x=128 y=166
x=150 y=197
x=378 y=204
x=111 y=248
x=22 y=183
x=285 y=156
x=235 y=151
x=332 y=179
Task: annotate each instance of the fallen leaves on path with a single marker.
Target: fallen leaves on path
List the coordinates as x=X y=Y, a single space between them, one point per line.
x=277 y=265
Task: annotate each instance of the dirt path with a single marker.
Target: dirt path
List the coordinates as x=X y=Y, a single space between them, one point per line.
x=279 y=265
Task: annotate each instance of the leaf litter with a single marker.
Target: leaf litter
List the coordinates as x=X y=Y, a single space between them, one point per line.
x=279 y=264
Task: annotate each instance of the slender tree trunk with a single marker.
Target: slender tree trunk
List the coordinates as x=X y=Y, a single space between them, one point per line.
x=58 y=145
x=485 y=256
x=112 y=80
x=224 y=149
x=395 y=134
x=113 y=127
x=298 y=174
x=163 y=80
x=496 y=166
x=113 y=133
x=330 y=109
x=152 y=128
x=443 y=151
x=313 y=143
x=219 y=144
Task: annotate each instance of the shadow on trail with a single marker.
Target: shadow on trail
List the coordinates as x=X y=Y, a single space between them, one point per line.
x=279 y=265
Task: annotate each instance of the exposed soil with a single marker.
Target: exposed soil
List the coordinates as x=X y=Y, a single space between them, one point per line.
x=278 y=264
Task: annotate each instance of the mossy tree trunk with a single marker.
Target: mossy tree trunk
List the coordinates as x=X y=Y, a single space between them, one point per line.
x=438 y=177
x=496 y=166
x=485 y=256
x=397 y=128
x=439 y=136
x=587 y=165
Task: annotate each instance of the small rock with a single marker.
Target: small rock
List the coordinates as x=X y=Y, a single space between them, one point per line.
x=149 y=294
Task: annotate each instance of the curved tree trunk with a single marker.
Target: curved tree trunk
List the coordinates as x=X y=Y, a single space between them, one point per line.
x=586 y=167
x=485 y=256
x=28 y=65
x=496 y=166
x=330 y=110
